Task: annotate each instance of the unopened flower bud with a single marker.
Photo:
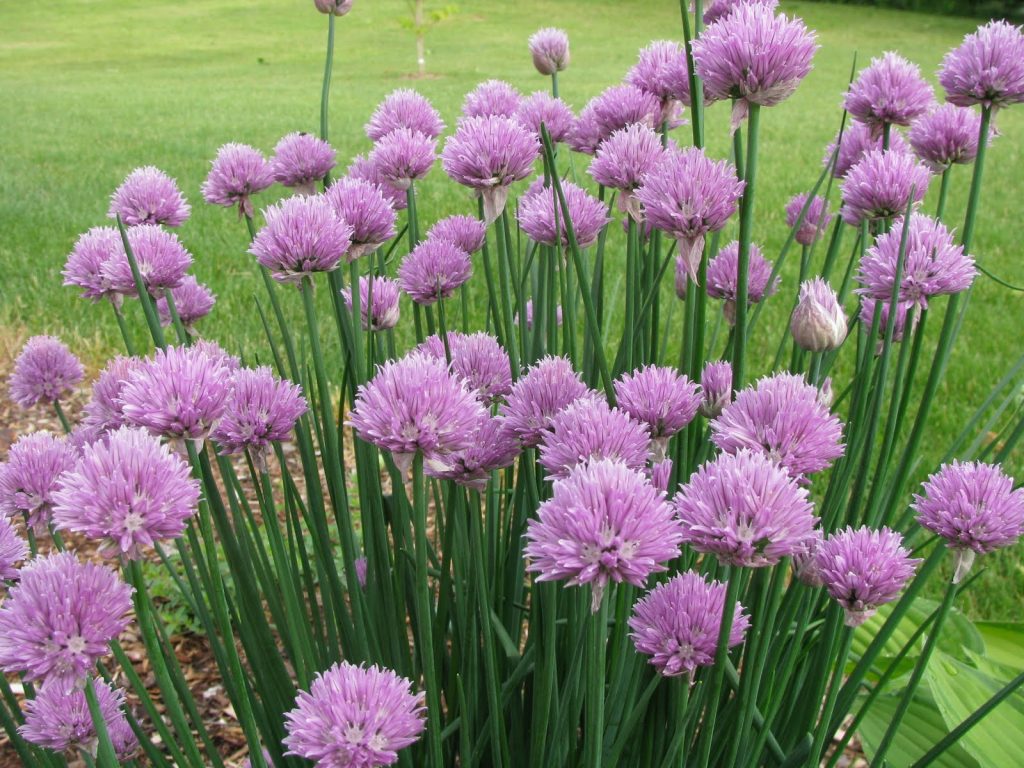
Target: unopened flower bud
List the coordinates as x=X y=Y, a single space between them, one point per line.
x=818 y=322
x=337 y=7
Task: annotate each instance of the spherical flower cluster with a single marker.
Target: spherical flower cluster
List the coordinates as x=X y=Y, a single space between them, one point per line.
x=987 y=68
x=237 y=173
x=622 y=162
x=716 y=388
x=661 y=71
x=491 y=98
x=29 y=478
x=660 y=397
x=549 y=48
x=104 y=409
x=814 y=222
x=161 y=258
x=855 y=141
x=381 y=312
x=867 y=315
x=261 y=410
x=354 y=716
x=301 y=160
x=542 y=108
x=404 y=108
x=466 y=232
x=403 y=157
x=60 y=720
x=363 y=169
x=718 y=9
x=493 y=448
x=363 y=206
x=478 y=359
x=537 y=396
x=677 y=624
x=620 y=106
x=44 y=371
x=604 y=523
x=890 y=91
x=880 y=186
x=805 y=562
x=433 y=270
x=863 y=569
x=946 y=135
x=723 y=278
x=586 y=135
x=13 y=549
x=302 y=235
x=85 y=264
x=149 y=196
x=818 y=322
x=541 y=216
x=588 y=430
x=192 y=300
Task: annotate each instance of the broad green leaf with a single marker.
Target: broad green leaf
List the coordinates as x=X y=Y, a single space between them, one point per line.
x=921 y=728
x=957 y=634
x=1004 y=642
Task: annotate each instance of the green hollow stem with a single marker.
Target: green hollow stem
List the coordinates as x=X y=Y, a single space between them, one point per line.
x=325 y=92
x=717 y=675
x=61 y=416
x=106 y=757
x=123 y=328
x=743 y=265
x=597 y=647
x=148 y=308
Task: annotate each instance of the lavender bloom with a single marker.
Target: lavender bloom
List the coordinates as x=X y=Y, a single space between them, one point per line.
x=718 y=9
x=44 y=371
x=84 y=267
x=818 y=322
x=723 y=277
x=478 y=360
x=890 y=91
x=103 y=411
x=383 y=314
x=856 y=140
x=60 y=618
x=815 y=220
x=536 y=397
x=805 y=562
x=216 y=352
x=364 y=207
x=933 y=264
x=879 y=186
x=529 y=315
x=237 y=173
x=867 y=314
x=13 y=549
x=404 y=156
x=488 y=154
x=192 y=300
x=549 y=48
x=946 y=135
x=364 y=169
x=301 y=160
x=604 y=523
x=540 y=212
x=974 y=507
x=661 y=71
x=586 y=135
x=60 y=720
x=661 y=398
x=161 y=258
x=354 y=716
x=149 y=196
x=620 y=106
x=716 y=388
x=404 y=108
x=781 y=418
x=623 y=161
x=466 y=232
x=302 y=236
x=433 y=270
x=541 y=107
x=491 y=98
x=589 y=430
x=863 y=569
x=29 y=477
x=660 y=474
x=493 y=448
x=687 y=196
x=753 y=57
x=987 y=68
x=361 y=568
x=336 y=7
x=677 y=624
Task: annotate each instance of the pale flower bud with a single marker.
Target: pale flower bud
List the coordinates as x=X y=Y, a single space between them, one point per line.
x=818 y=322
x=337 y=7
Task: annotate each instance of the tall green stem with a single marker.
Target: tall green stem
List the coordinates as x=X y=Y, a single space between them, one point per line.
x=743 y=265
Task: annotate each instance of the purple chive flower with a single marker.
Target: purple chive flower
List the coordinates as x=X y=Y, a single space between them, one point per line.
x=493 y=448
x=660 y=473
x=433 y=270
x=491 y=98
x=863 y=569
x=622 y=162
x=716 y=388
x=529 y=315
x=745 y=509
x=686 y=196
x=60 y=720
x=85 y=265
x=620 y=106
x=192 y=300
x=541 y=107
x=604 y=523
x=586 y=134
x=753 y=57
x=335 y=7
x=805 y=562
x=237 y=173
x=127 y=492
x=416 y=405
x=815 y=220
x=179 y=393
x=933 y=263
x=857 y=139
x=661 y=71
x=361 y=568
x=818 y=322
x=149 y=196
x=103 y=411
x=781 y=418
x=216 y=352
x=364 y=207
x=987 y=68
x=677 y=624
x=354 y=716
x=974 y=507
x=890 y=91
x=404 y=156
x=867 y=314
x=588 y=430
x=723 y=277
x=946 y=135
x=718 y=9
x=162 y=260
x=29 y=478
x=549 y=48
x=404 y=108
x=60 y=618
x=44 y=371
x=660 y=397
x=466 y=232
x=488 y=154
x=302 y=235
x=364 y=169
x=13 y=549
x=536 y=397
x=540 y=212
x=879 y=186
x=301 y=160
x=478 y=360
x=383 y=314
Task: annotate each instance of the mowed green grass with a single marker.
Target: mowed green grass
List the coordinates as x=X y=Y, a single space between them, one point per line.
x=93 y=89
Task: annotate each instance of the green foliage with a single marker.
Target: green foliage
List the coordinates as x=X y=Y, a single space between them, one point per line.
x=983 y=9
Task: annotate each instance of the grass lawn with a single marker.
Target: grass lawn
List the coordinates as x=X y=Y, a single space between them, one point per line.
x=93 y=89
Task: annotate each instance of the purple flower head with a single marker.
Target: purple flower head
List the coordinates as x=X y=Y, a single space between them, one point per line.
x=478 y=360
x=361 y=568
x=149 y=196
x=354 y=716
x=946 y=135
x=805 y=562
x=192 y=300
x=867 y=314
x=880 y=185
x=13 y=549
x=620 y=106
x=363 y=206
x=488 y=154
x=433 y=270
x=162 y=260
x=60 y=618
x=723 y=276
x=404 y=156
x=302 y=235
x=540 y=215
x=660 y=397
x=815 y=220
x=753 y=57
x=529 y=315
x=589 y=430
x=491 y=98
x=661 y=71
x=127 y=492
x=781 y=417
x=818 y=322
x=856 y=140
x=85 y=265
x=383 y=313
x=623 y=161
x=718 y=9
x=335 y=7
x=688 y=195
x=301 y=160
x=103 y=411
x=677 y=624
x=974 y=507
x=604 y=523
x=537 y=397
x=890 y=91
x=237 y=173
x=933 y=264
x=364 y=169
x=415 y=404
x=745 y=509
x=404 y=108
x=716 y=388
x=60 y=720
x=549 y=48
x=660 y=474
x=863 y=569
x=493 y=448
x=541 y=107
x=987 y=68
x=44 y=371
x=29 y=478
x=216 y=352
x=466 y=232
x=586 y=134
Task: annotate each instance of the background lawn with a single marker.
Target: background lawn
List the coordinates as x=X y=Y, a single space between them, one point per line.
x=91 y=90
